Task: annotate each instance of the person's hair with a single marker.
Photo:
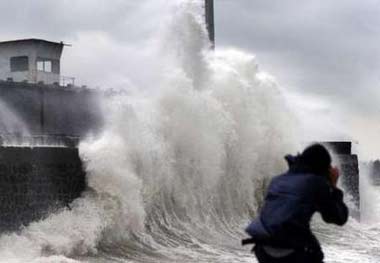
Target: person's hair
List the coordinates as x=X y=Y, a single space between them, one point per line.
x=317 y=158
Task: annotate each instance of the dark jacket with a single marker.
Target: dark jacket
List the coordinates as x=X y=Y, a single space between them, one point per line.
x=292 y=199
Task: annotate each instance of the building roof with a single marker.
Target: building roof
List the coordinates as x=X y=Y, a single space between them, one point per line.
x=31 y=41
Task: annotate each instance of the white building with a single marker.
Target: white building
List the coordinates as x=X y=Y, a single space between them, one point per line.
x=30 y=60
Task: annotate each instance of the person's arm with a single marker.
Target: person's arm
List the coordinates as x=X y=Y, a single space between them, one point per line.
x=330 y=203
x=332 y=208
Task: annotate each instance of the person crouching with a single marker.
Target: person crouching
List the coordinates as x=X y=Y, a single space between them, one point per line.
x=282 y=233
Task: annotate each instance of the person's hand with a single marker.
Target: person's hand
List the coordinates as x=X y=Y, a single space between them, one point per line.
x=334 y=175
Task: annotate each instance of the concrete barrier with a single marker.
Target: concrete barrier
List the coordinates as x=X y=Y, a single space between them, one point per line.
x=37 y=181
x=52 y=110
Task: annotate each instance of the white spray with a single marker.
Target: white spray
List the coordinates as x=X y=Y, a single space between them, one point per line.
x=179 y=168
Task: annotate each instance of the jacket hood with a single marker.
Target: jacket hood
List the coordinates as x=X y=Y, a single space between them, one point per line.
x=314 y=159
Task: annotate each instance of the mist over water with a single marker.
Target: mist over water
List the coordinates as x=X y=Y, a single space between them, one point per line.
x=178 y=173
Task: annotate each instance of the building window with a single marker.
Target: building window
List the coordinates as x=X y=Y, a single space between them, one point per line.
x=40 y=65
x=19 y=63
x=44 y=65
x=47 y=66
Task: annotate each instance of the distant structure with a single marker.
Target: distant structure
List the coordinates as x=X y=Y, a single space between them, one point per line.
x=374 y=172
x=31 y=60
x=31 y=87
x=349 y=167
x=42 y=119
x=210 y=24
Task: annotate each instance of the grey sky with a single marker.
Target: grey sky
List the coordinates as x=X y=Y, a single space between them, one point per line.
x=328 y=51
x=323 y=49
x=329 y=48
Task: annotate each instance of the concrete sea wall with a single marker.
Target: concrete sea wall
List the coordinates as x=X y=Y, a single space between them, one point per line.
x=51 y=110
x=37 y=181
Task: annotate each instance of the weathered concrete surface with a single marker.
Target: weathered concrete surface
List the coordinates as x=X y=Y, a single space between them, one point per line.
x=36 y=181
x=51 y=110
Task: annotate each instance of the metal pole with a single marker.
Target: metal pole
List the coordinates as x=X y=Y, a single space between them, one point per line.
x=210 y=25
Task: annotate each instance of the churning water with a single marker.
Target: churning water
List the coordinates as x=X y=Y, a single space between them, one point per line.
x=177 y=174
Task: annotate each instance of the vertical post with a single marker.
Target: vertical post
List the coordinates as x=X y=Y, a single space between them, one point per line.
x=42 y=109
x=210 y=25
